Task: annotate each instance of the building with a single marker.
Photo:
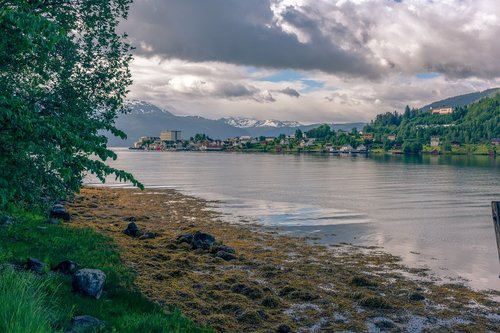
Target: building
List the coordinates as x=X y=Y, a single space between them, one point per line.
x=367 y=136
x=170 y=136
x=434 y=141
x=495 y=142
x=391 y=137
x=442 y=110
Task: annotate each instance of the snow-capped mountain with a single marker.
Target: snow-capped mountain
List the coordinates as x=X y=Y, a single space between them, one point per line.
x=250 y=122
x=142 y=107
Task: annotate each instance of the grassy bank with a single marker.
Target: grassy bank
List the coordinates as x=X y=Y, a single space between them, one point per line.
x=31 y=302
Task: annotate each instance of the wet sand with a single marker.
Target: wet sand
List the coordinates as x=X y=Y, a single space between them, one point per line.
x=275 y=280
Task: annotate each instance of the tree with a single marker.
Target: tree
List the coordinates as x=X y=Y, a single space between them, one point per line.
x=63 y=78
x=298 y=134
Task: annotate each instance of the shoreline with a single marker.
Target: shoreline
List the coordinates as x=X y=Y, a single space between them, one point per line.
x=274 y=279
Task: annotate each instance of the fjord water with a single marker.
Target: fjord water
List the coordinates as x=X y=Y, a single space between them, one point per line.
x=433 y=211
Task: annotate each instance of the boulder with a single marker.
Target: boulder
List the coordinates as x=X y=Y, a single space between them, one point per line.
x=86 y=324
x=221 y=247
x=185 y=238
x=89 y=282
x=65 y=267
x=415 y=297
x=132 y=230
x=225 y=255
x=283 y=329
x=59 y=212
x=149 y=235
x=35 y=265
x=202 y=240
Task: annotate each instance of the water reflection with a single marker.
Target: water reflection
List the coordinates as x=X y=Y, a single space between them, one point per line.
x=430 y=210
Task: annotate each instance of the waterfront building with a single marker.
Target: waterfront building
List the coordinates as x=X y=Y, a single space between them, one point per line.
x=434 y=141
x=170 y=136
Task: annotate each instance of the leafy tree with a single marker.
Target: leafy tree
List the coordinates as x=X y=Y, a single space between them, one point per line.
x=63 y=79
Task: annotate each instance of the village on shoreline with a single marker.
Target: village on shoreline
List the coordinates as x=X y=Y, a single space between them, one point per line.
x=356 y=142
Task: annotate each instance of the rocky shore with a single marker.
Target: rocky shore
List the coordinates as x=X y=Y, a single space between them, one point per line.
x=244 y=278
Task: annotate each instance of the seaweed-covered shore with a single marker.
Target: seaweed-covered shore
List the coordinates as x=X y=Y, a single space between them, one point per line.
x=274 y=283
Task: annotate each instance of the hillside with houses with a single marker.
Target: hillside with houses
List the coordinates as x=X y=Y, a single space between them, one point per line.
x=470 y=129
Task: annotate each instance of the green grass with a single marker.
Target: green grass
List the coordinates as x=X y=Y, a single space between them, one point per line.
x=23 y=303
x=122 y=306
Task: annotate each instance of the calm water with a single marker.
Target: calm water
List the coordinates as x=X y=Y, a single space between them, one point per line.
x=432 y=211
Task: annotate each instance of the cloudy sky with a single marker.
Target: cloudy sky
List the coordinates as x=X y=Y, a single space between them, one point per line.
x=310 y=60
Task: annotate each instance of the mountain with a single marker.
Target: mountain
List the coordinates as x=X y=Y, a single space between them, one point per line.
x=254 y=123
x=146 y=119
x=461 y=100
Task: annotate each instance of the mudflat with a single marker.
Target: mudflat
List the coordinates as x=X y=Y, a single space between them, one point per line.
x=272 y=282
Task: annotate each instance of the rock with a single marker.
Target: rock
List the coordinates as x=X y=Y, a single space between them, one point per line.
x=86 y=324
x=6 y=220
x=59 y=212
x=35 y=265
x=283 y=329
x=149 y=235
x=89 y=282
x=198 y=240
x=53 y=220
x=185 y=238
x=132 y=230
x=65 y=267
x=225 y=255
x=221 y=247
x=202 y=240
x=416 y=297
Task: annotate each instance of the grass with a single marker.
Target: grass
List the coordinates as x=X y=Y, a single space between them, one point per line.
x=47 y=302
x=23 y=303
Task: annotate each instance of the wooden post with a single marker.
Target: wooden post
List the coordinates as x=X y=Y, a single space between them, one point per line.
x=495 y=207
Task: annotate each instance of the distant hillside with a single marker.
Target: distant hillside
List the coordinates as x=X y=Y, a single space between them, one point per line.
x=146 y=119
x=461 y=100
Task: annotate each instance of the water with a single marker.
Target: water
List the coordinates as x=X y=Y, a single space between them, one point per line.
x=432 y=211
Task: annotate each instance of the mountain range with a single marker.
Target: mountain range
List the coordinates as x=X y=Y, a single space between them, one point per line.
x=146 y=119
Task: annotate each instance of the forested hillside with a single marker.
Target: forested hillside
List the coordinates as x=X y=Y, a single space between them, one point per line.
x=477 y=123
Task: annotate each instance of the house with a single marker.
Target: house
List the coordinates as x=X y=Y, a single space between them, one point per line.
x=362 y=149
x=391 y=137
x=346 y=149
x=442 y=110
x=495 y=142
x=367 y=136
x=434 y=141
x=245 y=139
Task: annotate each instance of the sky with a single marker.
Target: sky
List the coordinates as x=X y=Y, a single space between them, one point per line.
x=310 y=60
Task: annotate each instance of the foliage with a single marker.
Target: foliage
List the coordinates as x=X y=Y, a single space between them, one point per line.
x=477 y=123
x=122 y=306
x=63 y=78
x=23 y=303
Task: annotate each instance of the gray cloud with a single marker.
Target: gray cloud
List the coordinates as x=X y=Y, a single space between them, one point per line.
x=455 y=38
x=289 y=91
x=240 y=32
